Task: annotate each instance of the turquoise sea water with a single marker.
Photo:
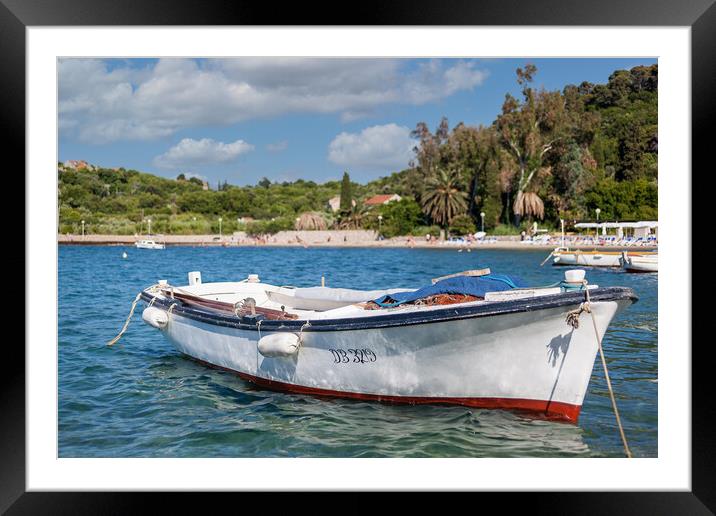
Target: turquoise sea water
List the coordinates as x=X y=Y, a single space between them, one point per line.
x=142 y=398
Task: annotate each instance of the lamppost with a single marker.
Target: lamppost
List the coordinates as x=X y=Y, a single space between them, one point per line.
x=380 y=223
x=482 y=221
x=83 y=229
x=149 y=226
x=597 y=211
x=220 y=228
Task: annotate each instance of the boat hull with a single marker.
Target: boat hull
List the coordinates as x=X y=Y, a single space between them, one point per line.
x=640 y=264
x=641 y=268
x=157 y=246
x=587 y=259
x=524 y=360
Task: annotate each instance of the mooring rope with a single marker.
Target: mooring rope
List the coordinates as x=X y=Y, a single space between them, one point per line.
x=573 y=321
x=131 y=313
x=300 y=332
x=545 y=260
x=126 y=323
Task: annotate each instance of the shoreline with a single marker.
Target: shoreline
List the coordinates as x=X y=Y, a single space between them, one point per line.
x=503 y=243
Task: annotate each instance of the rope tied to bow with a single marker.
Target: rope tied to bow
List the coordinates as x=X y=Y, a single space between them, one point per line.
x=131 y=313
x=573 y=321
x=548 y=257
x=126 y=323
x=300 y=332
x=573 y=316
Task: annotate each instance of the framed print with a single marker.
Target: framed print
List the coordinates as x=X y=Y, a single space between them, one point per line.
x=342 y=241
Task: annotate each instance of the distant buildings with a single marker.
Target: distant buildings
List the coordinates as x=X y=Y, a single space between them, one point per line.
x=377 y=200
x=335 y=203
x=73 y=164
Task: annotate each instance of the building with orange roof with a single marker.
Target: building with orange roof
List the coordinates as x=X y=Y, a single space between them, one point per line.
x=377 y=200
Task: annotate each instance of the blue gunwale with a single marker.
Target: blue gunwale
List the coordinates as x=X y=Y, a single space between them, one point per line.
x=449 y=313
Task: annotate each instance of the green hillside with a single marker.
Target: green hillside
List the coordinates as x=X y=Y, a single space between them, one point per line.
x=548 y=155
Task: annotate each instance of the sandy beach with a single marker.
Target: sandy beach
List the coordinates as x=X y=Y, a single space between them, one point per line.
x=342 y=239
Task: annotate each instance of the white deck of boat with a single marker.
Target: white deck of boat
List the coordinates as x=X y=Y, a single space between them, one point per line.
x=233 y=292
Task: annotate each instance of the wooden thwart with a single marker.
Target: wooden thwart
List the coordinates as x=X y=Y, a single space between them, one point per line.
x=473 y=272
x=224 y=307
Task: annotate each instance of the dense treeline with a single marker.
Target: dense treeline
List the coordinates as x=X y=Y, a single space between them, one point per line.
x=548 y=155
x=119 y=201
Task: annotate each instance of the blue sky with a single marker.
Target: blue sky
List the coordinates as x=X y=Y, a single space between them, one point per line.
x=283 y=118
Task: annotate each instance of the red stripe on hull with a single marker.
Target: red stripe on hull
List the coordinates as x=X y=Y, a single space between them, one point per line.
x=552 y=410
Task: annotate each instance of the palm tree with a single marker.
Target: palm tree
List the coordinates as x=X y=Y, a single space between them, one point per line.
x=528 y=203
x=352 y=219
x=310 y=220
x=443 y=198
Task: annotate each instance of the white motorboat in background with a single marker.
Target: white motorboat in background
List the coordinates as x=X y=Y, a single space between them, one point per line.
x=631 y=262
x=148 y=244
x=595 y=258
x=485 y=342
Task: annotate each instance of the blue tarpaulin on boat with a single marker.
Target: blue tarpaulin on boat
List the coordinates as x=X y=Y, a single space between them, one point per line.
x=468 y=285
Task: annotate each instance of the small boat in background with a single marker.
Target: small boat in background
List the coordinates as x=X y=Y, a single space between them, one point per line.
x=475 y=338
x=562 y=256
x=148 y=244
x=631 y=262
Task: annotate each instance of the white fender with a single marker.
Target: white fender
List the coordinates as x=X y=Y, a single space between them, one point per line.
x=279 y=345
x=155 y=317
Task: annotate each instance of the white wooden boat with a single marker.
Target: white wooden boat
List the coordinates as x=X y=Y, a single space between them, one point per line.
x=510 y=349
x=148 y=244
x=594 y=258
x=631 y=262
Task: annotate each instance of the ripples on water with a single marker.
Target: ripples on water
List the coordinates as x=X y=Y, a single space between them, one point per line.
x=141 y=398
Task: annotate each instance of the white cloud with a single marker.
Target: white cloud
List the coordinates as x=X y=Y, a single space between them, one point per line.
x=104 y=101
x=206 y=151
x=381 y=146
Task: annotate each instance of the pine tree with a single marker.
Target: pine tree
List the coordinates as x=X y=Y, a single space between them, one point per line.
x=346 y=196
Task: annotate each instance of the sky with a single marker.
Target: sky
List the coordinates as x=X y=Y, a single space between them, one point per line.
x=241 y=119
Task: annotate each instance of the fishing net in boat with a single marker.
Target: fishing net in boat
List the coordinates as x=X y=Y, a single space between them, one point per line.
x=447 y=299
x=438 y=299
x=475 y=287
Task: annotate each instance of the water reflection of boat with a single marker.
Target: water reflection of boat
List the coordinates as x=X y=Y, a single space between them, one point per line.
x=507 y=348
x=631 y=262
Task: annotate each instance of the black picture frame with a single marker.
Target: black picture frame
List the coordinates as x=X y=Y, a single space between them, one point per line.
x=17 y=15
